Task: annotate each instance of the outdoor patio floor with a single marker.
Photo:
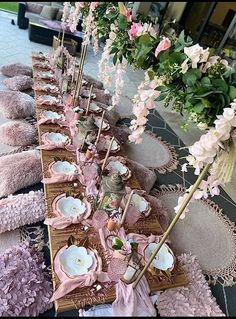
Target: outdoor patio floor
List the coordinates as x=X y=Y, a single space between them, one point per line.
x=16 y=47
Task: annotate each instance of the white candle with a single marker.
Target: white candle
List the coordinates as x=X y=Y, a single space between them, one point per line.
x=129 y=273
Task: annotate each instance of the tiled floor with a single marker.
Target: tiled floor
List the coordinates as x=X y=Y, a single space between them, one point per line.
x=15 y=47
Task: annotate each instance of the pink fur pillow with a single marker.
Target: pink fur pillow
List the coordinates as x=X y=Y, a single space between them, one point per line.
x=97 y=84
x=17 y=133
x=144 y=175
x=101 y=96
x=18 y=171
x=20 y=210
x=16 y=69
x=15 y=105
x=26 y=286
x=194 y=300
x=19 y=83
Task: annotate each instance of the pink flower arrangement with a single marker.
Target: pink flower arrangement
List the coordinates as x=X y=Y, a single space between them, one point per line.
x=128 y=15
x=164 y=45
x=94 y=5
x=143 y=102
x=207 y=150
x=137 y=29
x=134 y=30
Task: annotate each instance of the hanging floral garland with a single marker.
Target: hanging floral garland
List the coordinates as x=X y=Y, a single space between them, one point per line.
x=216 y=147
x=142 y=103
x=197 y=84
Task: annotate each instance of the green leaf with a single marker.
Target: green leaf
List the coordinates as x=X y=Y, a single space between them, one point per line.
x=116 y=242
x=205 y=81
x=161 y=97
x=115 y=59
x=189 y=79
x=198 y=108
x=196 y=72
x=220 y=84
x=232 y=92
x=114 y=50
x=134 y=246
x=176 y=57
x=161 y=88
x=163 y=56
x=144 y=39
x=151 y=74
x=122 y=22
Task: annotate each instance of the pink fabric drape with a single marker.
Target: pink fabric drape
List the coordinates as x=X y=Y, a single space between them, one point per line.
x=133 y=302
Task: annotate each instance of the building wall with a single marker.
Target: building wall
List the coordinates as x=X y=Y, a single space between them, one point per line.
x=175 y=10
x=221 y=10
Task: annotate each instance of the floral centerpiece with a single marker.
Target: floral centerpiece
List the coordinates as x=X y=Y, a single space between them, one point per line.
x=196 y=83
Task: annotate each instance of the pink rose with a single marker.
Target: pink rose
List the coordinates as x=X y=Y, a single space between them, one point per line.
x=128 y=15
x=80 y=4
x=133 y=30
x=94 y=5
x=163 y=46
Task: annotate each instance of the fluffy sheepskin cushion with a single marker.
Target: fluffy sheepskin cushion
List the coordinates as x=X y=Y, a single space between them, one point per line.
x=16 y=105
x=25 y=286
x=17 y=133
x=194 y=300
x=16 y=69
x=19 y=83
x=18 y=171
x=20 y=210
x=97 y=84
x=160 y=211
x=120 y=133
x=145 y=176
x=101 y=96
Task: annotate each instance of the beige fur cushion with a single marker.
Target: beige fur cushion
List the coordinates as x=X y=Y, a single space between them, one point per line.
x=19 y=83
x=17 y=133
x=14 y=69
x=145 y=176
x=19 y=171
x=15 y=105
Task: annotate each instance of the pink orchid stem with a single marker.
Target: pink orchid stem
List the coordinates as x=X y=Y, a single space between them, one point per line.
x=126 y=209
x=107 y=154
x=100 y=128
x=89 y=99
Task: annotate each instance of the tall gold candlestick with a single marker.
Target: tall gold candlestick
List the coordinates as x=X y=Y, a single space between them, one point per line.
x=172 y=224
x=78 y=76
x=107 y=154
x=63 y=35
x=81 y=70
x=89 y=99
x=126 y=209
x=73 y=74
x=100 y=128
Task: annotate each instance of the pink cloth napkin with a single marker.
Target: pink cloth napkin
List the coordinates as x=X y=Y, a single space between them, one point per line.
x=133 y=302
x=49 y=145
x=40 y=87
x=69 y=284
x=61 y=221
x=61 y=178
x=89 y=178
x=40 y=100
x=133 y=214
x=44 y=120
x=143 y=241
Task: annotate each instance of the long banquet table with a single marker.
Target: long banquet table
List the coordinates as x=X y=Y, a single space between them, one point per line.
x=80 y=297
